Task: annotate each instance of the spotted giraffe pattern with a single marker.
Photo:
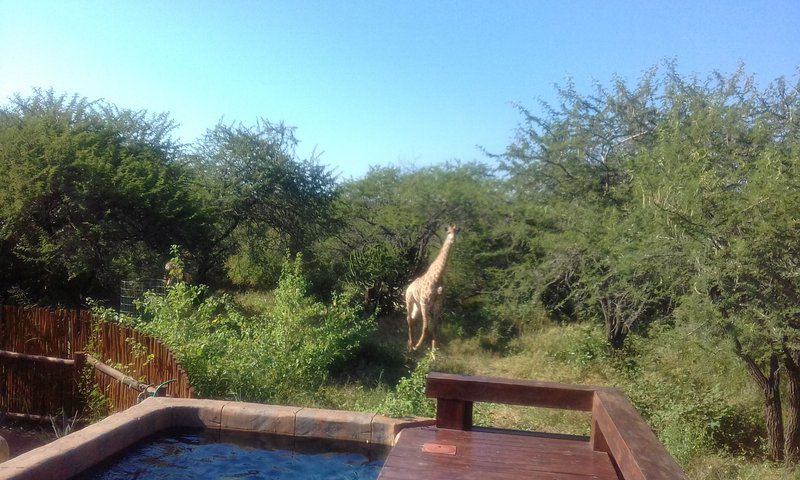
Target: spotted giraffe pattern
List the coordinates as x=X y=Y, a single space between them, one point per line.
x=424 y=296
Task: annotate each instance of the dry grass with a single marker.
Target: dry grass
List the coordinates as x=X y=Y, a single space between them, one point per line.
x=733 y=468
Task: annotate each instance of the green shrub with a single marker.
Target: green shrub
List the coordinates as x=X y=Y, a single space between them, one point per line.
x=582 y=346
x=408 y=397
x=270 y=357
x=693 y=419
x=690 y=392
x=257 y=262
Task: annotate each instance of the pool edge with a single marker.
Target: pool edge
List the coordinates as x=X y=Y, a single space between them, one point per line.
x=80 y=450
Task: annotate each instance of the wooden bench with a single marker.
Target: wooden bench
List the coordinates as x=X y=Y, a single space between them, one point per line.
x=617 y=429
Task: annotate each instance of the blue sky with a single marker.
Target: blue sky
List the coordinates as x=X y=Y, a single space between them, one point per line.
x=373 y=82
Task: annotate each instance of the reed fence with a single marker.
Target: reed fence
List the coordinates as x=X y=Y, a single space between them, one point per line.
x=41 y=331
x=42 y=387
x=139 y=356
x=35 y=384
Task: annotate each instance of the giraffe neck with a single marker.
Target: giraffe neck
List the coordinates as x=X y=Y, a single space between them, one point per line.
x=436 y=270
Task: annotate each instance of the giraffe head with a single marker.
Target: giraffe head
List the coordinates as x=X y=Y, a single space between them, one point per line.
x=452 y=231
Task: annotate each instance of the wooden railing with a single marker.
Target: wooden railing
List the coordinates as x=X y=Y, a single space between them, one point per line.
x=50 y=384
x=40 y=345
x=36 y=384
x=617 y=428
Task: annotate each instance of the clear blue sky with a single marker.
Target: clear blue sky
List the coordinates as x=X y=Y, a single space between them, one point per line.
x=374 y=82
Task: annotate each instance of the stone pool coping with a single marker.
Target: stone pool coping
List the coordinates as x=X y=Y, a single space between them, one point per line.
x=80 y=450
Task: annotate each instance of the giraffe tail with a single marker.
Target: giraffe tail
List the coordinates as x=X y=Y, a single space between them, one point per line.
x=439 y=292
x=424 y=332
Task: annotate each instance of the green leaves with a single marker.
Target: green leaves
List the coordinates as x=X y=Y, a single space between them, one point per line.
x=253 y=186
x=94 y=194
x=268 y=358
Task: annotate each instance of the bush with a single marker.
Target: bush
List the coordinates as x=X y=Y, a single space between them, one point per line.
x=268 y=357
x=408 y=398
x=688 y=391
x=693 y=420
x=582 y=346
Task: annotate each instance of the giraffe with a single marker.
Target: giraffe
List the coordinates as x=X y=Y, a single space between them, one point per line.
x=425 y=294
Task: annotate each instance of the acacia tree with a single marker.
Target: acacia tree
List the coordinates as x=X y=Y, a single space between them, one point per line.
x=578 y=162
x=675 y=191
x=723 y=183
x=92 y=194
x=256 y=189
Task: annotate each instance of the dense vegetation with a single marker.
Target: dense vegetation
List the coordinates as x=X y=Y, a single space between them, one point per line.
x=645 y=236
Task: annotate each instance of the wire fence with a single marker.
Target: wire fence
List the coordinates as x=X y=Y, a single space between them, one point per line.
x=132 y=291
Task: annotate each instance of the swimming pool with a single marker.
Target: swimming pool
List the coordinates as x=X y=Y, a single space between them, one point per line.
x=115 y=436
x=195 y=454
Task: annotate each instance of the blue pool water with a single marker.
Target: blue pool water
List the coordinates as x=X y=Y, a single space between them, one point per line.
x=197 y=455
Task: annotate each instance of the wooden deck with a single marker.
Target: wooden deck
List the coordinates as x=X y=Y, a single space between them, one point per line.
x=622 y=446
x=484 y=455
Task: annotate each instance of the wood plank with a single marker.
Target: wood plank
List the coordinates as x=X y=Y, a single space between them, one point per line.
x=488 y=456
x=36 y=358
x=509 y=391
x=455 y=414
x=634 y=446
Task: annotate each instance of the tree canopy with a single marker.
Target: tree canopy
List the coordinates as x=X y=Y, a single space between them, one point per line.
x=669 y=202
x=93 y=194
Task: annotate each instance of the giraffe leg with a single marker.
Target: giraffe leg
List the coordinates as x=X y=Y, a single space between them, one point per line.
x=433 y=338
x=433 y=328
x=436 y=313
x=411 y=311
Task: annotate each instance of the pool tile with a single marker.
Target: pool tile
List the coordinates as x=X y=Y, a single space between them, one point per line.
x=255 y=417
x=335 y=424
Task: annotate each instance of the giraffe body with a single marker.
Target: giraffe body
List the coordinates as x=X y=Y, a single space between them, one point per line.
x=425 y=295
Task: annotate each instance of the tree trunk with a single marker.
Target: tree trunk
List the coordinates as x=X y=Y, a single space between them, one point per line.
x=791 y=360
x=615 y=326
x=770 y=387
x=774 y=419
x=615 y=337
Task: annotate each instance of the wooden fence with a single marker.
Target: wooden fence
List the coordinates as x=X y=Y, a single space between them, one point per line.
x=46 y=387
x=142 y=357
x=35 y=384
x=41 y=331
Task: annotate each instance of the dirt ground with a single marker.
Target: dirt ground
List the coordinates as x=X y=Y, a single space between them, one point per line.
x=22 y=437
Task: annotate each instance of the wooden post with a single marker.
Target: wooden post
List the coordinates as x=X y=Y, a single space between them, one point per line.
x=453 y=414
x=598 y=441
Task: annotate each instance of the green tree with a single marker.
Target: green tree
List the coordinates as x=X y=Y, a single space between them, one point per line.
x=724 y=184
x=570 y=174
x=675 y=199
x=257 y=190
x=93 y=194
